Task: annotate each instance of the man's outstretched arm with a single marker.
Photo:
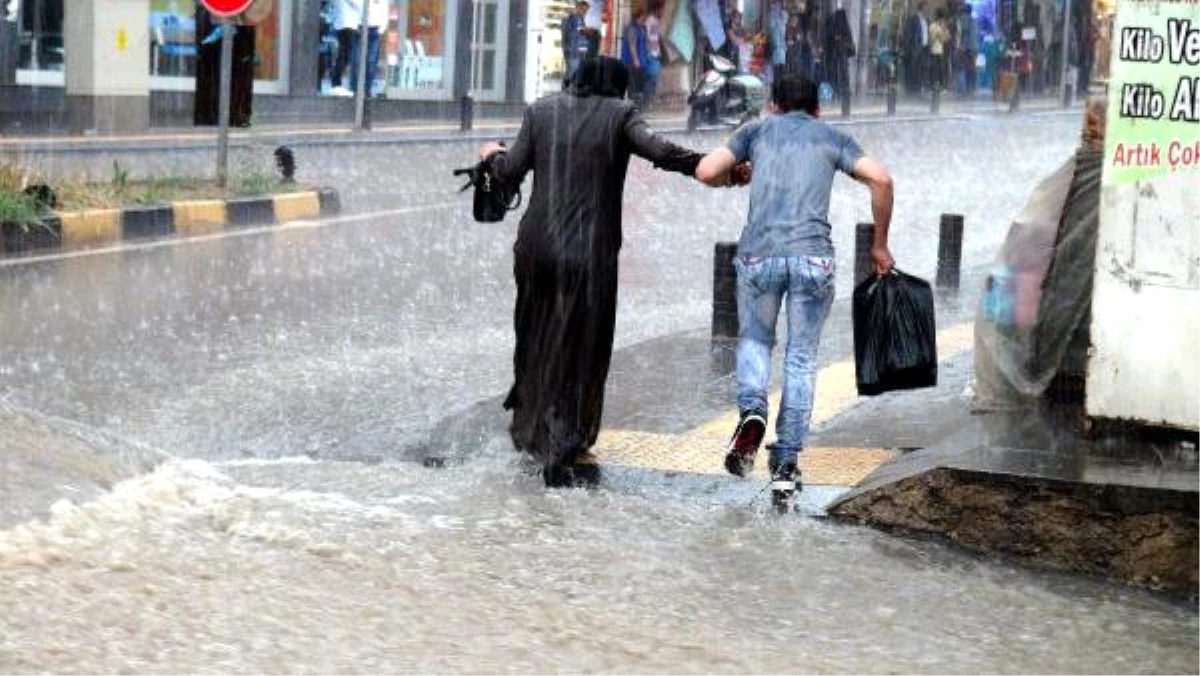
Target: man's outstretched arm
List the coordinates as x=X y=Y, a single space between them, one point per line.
x=714 y=168
x=879 y=181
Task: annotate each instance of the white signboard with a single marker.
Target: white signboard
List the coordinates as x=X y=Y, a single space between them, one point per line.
x=1146 y=301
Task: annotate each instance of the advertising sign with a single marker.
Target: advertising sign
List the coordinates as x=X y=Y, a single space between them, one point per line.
x=1146 y=297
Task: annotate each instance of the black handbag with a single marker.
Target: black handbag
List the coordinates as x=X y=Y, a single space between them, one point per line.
x=493 y=197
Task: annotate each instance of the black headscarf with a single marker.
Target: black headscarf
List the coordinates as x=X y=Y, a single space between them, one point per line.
x=601 y=76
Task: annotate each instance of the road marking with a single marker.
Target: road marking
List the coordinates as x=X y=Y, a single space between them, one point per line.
x=701 y=449
x=239 y=232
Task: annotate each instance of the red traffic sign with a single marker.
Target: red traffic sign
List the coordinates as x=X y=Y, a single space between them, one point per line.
x=225 y=8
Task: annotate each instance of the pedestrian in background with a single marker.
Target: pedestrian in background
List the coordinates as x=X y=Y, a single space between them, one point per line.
x=377 y=20
x=939 y=39
x=652 y=66
x=206 y=103
x=915 y=49
x=786 y=251
x=635 y=53
x=577 y=144
x=968 y=49
x=839 y=49
x=575 y=42
x=347 y=16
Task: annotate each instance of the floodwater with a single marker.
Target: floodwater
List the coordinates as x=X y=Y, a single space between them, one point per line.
x=203 y=468
x=293 y=565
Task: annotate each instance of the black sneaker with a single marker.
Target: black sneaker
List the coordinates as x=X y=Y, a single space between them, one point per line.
x=785 y=481
x=739 y=457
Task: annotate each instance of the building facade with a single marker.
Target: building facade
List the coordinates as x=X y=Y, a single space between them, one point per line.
x=431 y=53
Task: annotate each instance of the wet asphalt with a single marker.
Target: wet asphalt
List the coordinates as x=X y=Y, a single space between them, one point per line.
x=358 y=336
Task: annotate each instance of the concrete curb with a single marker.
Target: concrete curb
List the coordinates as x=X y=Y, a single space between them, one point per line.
x=74 y=230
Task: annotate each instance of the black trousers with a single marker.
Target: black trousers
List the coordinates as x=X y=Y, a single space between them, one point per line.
x=208 y=76
x=345 y=38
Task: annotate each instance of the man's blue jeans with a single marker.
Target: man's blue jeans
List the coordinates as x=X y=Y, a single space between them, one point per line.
x=762 y=284
x=372 y=59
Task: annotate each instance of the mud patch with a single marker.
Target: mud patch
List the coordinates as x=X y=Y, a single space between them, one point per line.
x=1140 y=535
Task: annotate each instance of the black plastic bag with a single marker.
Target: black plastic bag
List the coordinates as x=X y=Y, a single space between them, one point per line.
x=493 y=198
x=895 y=334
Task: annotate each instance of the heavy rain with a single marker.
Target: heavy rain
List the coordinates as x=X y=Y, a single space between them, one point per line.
x=280 y=446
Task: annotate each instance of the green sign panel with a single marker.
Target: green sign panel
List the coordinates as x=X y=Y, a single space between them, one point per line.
x=1154 y=94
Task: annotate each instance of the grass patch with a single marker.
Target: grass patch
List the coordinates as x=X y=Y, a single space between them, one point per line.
x=121 y=191
x=16 y=207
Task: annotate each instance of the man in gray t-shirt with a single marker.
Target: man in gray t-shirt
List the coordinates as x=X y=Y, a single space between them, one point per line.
x=786 y=250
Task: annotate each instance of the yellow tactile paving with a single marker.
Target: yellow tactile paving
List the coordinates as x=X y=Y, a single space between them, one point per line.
x=701 y=449
x=90 y=228
x=199 y=217
x=703 y=453
x=296 y=206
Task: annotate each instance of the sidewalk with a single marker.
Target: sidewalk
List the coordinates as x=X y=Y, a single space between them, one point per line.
x=872 y=110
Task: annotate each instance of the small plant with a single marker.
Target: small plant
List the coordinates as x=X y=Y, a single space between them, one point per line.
x=120 y=177
x=19 y=208
x=255 y=182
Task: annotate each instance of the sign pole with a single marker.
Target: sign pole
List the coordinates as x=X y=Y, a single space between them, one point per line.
x=1066 y=54
x=360 y=92
x=226 y=81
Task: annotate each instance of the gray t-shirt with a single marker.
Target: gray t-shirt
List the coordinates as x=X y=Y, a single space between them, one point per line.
x=795 y=158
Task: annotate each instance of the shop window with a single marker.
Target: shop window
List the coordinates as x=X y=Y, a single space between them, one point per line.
x=174 y=52
x=40 y=34
x=420 y=46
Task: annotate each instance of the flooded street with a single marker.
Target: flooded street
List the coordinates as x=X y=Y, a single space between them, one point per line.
x=296 y=566
x=217 y=477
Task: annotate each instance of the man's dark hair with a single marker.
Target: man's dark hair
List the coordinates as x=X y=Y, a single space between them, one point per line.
x=795 y=92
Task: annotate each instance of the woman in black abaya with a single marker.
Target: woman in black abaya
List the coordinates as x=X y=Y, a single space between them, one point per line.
x=578 y=145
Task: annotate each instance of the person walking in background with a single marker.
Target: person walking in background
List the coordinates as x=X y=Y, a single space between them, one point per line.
x=575 y=42
x=839 y=48
x=635 y=53
x=939 y=39
x=777 y=25
x=578 y=144
x=347 y=15
x=786 y=251
x=206 y=104
x=915 y=47
x=968 y=48
x=801 y=39
x=377 y=20
x=652 y=66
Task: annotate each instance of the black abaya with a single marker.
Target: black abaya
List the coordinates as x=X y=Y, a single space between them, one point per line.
x=578 y=147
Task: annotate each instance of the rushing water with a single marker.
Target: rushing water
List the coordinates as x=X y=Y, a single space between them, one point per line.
x=345 y=342
x=297 y=566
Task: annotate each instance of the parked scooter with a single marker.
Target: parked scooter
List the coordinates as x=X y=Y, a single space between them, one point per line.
x=724 y=97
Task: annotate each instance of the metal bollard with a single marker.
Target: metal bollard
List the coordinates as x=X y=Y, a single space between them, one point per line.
x=949 y=264
x=935 y=102
x=1068 y=95
x=891 y=100
x=1014 y=104
x=845 y=104
x=724 y=311
x=466 y=112
x=864 y=237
